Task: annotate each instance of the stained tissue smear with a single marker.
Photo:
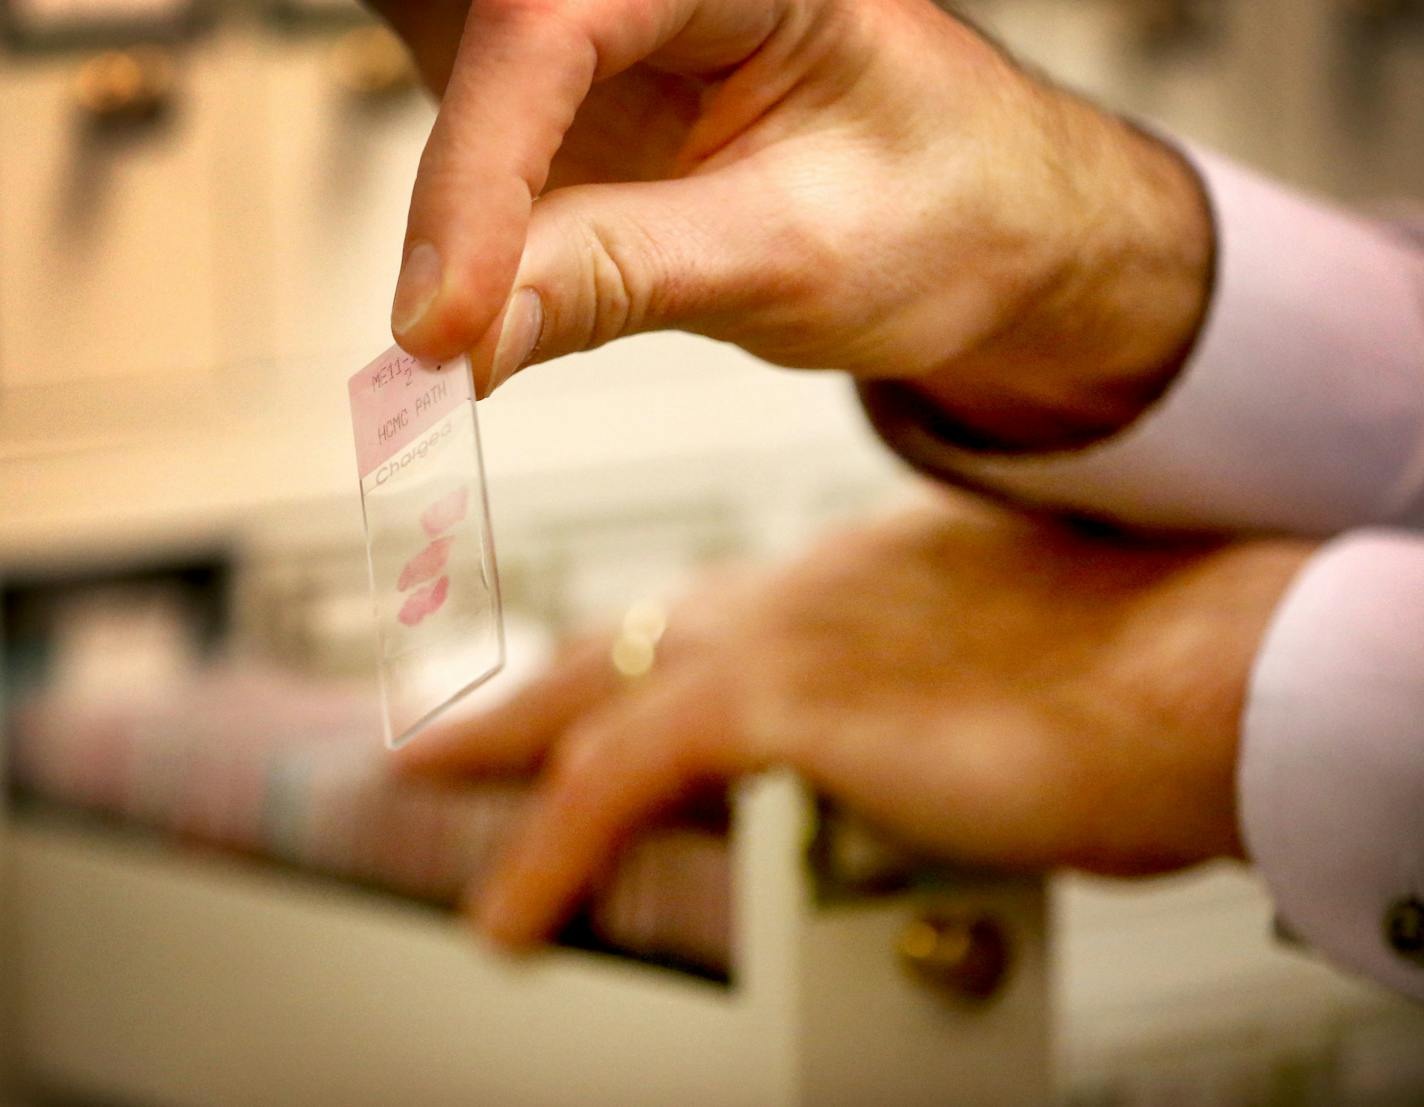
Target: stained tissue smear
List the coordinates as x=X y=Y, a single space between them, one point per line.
x=445 y=512
x=424 y=601
x=425 y=565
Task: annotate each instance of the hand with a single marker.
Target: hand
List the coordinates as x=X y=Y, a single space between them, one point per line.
x=986 y=688
x=856 y=184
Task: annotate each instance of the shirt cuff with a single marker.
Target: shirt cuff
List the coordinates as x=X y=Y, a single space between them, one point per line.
x=1300 y=410
x=1331 y=771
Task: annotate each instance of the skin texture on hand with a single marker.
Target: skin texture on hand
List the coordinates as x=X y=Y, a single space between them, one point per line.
x=983 y=687
x=863 y=185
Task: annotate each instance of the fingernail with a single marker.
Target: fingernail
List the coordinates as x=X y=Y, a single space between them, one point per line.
x=417 y=288
x=520 y=334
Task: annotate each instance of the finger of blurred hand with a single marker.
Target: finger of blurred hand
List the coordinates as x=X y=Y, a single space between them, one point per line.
x=512 y=736
x=522 y=69
x=614 y=772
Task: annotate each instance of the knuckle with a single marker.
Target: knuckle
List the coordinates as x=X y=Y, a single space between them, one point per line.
x=614 y=286
x=619 y=278
x=572 y=767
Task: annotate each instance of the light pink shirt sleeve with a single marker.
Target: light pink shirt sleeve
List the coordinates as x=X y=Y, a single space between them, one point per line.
x=1331 y=777
x=1302 y=406
x=1301 y=409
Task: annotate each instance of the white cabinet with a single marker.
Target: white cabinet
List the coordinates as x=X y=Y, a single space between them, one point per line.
x=150 y=977
x=120 y=292
x=342 y=164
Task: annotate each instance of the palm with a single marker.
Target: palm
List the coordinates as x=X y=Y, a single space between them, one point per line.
x=630 y=128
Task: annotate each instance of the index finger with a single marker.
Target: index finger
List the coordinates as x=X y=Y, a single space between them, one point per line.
x=521 y=72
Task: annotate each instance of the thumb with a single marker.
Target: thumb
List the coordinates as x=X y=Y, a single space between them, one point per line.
x=701 y=253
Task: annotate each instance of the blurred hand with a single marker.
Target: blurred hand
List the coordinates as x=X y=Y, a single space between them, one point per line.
x=856 y=184
x=983 y=687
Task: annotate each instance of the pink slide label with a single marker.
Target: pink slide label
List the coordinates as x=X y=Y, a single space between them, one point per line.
x=397 y=398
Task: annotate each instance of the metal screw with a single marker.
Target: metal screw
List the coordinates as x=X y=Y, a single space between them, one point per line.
x=961 y=953
x=121 y=86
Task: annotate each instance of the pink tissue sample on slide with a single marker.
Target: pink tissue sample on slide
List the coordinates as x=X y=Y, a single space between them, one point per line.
x=425 y=565
x=445 y=512
x=424 y=601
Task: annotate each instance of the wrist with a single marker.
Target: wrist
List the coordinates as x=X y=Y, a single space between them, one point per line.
x=1187 y=649
x=1108 y=333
